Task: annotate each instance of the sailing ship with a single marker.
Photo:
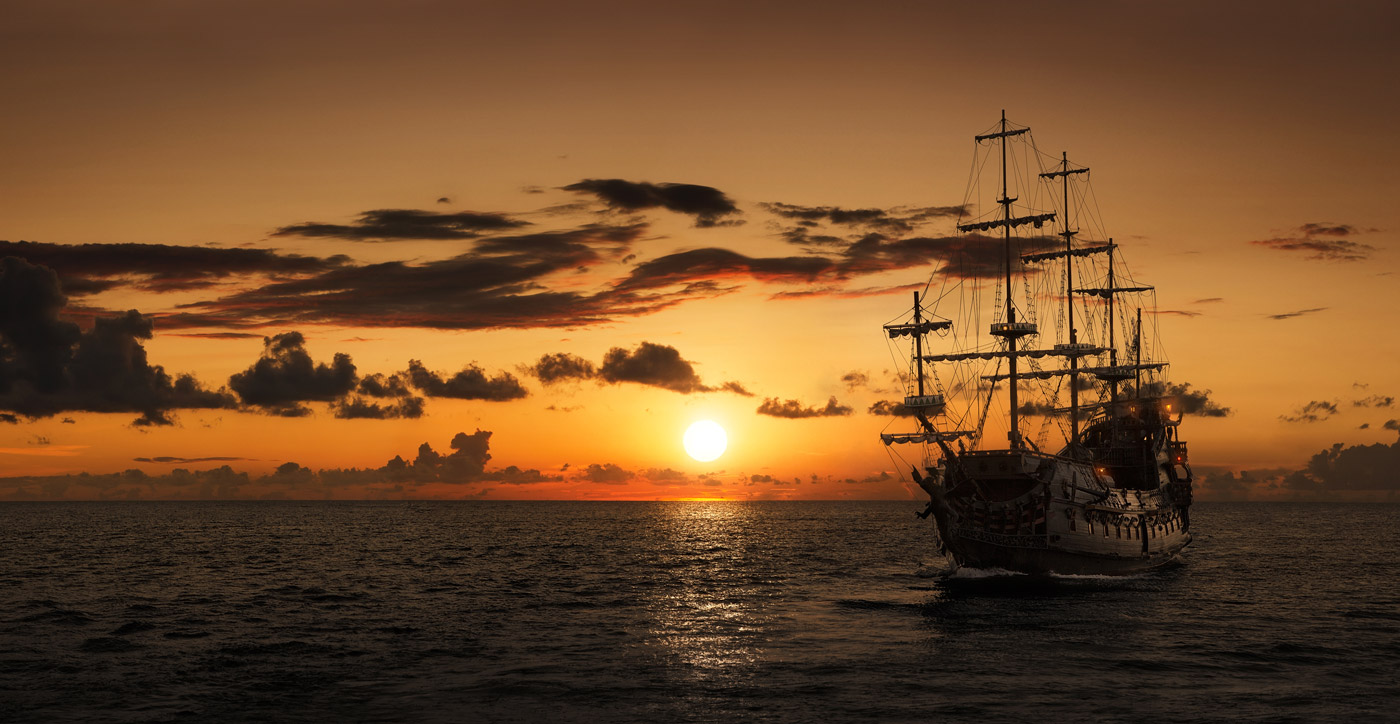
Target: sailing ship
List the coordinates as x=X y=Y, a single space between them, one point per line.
x=1115 y=497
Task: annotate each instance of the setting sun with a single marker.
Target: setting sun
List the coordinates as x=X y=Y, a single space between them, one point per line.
x=705 y=440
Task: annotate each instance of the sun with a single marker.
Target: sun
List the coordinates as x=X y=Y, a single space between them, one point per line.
x=705 y=440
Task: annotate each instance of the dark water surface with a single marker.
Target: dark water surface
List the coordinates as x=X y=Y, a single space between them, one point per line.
x=814 y=612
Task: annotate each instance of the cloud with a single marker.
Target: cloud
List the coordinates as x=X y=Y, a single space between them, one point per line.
x=1391 y=425
x=1299 y=313
x=892 y=408
x=166 y=459
x=465 y=464
x=1355 y=468
x=1327 y=229
x=608 y=473
x=1209 y=300
x=560 y=367
x=1187 y=400
x=661 y=476
x=502 y=283
x=762 y=479
x=855 y=379
x=285 y=376
x=471 y=383
x=792 y=409
x=1333 y=249
x=657 y=365
x=1314 y=411
x=714 y=263
x=896 y=220
x=708 y=205
x=401 y=224
x=1374 y=401
x=359 y=409
x=91 y=268
x=48 y=365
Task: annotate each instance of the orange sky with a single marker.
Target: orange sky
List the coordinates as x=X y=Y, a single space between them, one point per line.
x=216 y=124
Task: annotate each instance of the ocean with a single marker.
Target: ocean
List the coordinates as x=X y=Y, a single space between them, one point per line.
x=675 y=612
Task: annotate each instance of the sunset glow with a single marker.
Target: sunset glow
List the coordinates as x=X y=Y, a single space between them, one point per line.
x=368 y=259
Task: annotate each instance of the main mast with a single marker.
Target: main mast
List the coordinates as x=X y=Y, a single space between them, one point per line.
x=1014 y=435
x=1010 y=330
x=1068 y=233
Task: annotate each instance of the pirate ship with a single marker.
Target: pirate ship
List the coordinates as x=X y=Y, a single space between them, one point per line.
x=1030 y=312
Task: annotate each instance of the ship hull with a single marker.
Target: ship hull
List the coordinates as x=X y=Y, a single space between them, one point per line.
x=1045 y=514
x=974 y=553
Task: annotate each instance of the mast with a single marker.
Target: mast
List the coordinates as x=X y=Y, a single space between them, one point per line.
x=918 y=345
x=1137 y=351
x=1010 y=329
x=1112 y=350
x=1014 y=435
x=1068 y=233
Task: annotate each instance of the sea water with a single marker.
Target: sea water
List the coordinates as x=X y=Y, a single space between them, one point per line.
x=675 y=611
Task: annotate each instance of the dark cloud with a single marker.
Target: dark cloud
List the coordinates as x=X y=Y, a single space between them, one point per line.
x=1364 y=426
x=714 y=263
x=1391 y=425
x=607 y=473
x=360 y=409
x=444 y=200
x=708 y=205
x=897 y=220
x=1185 y=399
x=471 y=383
x=382 y=385
x=48 y=365
x=762 y=479
x=1299 y=313
x=1322 y=249
x=833 y=292
x=1209 y=300
x=560 y=367
x=1374 y=401
x=1314 y=411
x=657 y=365
x=664 y=475
x=735 y=388
x=285 y=376
x=1355 y=468
x=893 y=408
x=92 y=268
x=793 y=409
x=1327 y=229
x=968 y=256
x=1332 y=249
x=500 y=284
x=166 y=459
x=400 y=224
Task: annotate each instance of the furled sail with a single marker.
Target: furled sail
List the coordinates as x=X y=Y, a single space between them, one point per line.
x=905 y=330
x=1047 y=374
x=1086 y=251
x=1037 y=219
x=1036 y=353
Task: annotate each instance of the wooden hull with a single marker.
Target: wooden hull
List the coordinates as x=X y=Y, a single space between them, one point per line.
x=1045 y=514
